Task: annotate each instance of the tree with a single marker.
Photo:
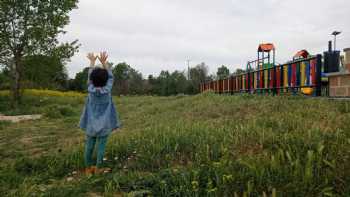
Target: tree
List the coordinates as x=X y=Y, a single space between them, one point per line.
x=80 y=81
x=198 y=75
x=121 y=75
x=135 y=82
x=30 y=28
x=52 y=73
x=167 y=83
x=151 y=83
x=128 y=80
x=223 y=72
x=239 y=71
x=164 y=81
x=178 y=83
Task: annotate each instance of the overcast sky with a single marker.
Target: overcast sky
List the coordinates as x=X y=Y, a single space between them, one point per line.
x=157 y=35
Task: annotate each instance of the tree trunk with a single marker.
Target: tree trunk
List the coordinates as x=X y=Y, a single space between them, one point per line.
x=16 y=83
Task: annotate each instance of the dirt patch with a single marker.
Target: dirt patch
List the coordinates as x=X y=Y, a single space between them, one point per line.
x=250 y=149
x=16 y=119
x=26 y=140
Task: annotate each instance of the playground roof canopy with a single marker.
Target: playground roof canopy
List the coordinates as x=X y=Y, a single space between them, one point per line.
x=266 y=47
x=303 y=53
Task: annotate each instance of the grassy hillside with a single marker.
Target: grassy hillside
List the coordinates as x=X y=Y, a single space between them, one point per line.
x=204 y=145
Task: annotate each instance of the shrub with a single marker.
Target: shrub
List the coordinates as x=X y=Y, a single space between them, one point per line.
x=58 y=111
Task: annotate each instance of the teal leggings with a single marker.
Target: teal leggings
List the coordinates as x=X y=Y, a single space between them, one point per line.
x=89 y=149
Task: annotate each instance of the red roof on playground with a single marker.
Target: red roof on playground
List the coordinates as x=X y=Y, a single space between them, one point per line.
x=302 y=53
x=266 y=47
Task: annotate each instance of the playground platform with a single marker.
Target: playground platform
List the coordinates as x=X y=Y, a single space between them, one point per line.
x=339 y=82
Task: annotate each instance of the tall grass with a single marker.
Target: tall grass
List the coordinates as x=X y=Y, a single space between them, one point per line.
x=205 y=145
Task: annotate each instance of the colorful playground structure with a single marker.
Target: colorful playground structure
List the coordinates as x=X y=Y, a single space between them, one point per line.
x=303 y=74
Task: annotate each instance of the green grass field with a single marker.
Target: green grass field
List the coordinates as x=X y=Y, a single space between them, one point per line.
x=204 y=145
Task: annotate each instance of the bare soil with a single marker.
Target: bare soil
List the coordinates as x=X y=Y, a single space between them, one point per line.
x=16 y=119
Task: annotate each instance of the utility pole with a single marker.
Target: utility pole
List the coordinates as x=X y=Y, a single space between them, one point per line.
x=188 y=70
x=335 y=33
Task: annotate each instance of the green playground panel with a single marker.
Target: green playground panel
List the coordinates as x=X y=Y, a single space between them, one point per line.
x=267 y=66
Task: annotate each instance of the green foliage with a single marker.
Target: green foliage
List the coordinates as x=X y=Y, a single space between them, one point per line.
x=167 y=84
x=41 y=103
x=30 y=106
x=121 y=71
x=223 y=72
x=239 y=71
x=198 y=75
x=4 y=124
x=4 y=79
x=58 y=111
x=30 y=28
x=127 y=80
x=79 y=83
x=44 y=72
x=135 y=82
x=178 y=83
x=162 y=84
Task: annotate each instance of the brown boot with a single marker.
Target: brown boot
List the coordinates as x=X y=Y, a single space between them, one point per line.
x=103 y=170
x=90 y=170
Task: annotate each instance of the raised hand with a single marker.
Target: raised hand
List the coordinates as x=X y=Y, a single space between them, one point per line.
x=92 y=59
x=103 y=59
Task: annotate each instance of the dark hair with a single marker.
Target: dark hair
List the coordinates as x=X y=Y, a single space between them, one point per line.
x=99 y=77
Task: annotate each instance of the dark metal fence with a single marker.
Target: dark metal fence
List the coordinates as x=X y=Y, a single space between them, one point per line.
x=299 y=75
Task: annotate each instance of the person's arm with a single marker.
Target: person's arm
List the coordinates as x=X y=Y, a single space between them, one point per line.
x=92 y=59
x=109 y=85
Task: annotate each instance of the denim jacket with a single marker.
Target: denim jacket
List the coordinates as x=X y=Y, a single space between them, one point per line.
x=99 y=116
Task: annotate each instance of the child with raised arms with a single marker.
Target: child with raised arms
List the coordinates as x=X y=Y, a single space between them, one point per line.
x=99 y=117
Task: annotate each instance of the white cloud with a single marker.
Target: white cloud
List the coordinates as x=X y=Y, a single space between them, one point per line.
x=161 y=35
